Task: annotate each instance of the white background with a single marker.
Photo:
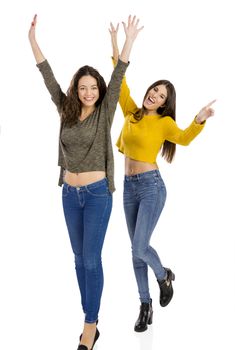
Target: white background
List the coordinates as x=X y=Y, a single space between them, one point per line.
x=191 y=44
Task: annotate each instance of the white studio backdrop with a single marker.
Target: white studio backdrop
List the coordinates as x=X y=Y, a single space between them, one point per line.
x=191 y=44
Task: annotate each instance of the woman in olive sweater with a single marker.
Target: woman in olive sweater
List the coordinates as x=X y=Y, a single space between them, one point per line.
x=86 y=161
x=147 y=131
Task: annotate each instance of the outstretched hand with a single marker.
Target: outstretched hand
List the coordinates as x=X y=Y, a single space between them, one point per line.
x=131 y=28
x=32 y=28
x=39 y=57
x=205 y=113
x=113 y=31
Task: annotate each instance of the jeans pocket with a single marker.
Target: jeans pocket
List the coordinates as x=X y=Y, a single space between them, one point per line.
x=65 y=191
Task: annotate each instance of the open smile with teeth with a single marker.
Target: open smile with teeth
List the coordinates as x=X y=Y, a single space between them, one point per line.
x=150 y=100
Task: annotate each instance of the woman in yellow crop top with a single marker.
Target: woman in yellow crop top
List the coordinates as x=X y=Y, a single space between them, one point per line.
x=146 y=132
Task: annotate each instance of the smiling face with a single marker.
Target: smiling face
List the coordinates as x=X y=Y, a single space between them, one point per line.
x=155 y=98
x=88 y=91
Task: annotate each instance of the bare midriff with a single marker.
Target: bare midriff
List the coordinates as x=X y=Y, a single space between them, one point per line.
x=133 y=167
x=83 y=179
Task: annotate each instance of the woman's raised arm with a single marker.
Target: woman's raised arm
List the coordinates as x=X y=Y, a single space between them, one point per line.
x=131 y=30
x=39 y=57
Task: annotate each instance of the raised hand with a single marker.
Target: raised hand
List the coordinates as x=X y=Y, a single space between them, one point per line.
x=39 y=57
x=131 y=28
x=205 y=113
x=32 y=28
x=113 y=32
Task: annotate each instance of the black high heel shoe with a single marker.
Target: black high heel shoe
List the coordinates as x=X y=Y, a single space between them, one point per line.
x=84 y=347
x=166 y=289
x=145 y=317
x=81 y=334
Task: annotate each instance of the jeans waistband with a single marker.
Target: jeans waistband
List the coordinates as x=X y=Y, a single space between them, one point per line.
x=141 y=176
x=90 y=186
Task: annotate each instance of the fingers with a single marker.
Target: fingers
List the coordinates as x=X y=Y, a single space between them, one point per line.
x=113 y=29
x=34 y=21
x=132 y=22
x=124 y=26
x=210 y=104
x=140 y=28
x=131 y=26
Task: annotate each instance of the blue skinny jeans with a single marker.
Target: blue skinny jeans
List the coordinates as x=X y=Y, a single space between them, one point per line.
x=87 y=211
x=143 y=199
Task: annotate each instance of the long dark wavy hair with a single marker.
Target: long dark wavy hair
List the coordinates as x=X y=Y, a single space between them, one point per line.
x=168 y=109
x=71 y=105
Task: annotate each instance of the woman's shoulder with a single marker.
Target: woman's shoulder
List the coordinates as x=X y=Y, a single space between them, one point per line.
x=134 y=115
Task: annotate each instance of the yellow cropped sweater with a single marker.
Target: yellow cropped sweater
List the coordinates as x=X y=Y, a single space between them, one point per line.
x=142 y=140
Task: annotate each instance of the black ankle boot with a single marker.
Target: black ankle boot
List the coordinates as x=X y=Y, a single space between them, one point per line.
x=166 y=289
x=145 y=317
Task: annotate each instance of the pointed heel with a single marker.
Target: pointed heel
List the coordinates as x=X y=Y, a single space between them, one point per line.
x=97 y=334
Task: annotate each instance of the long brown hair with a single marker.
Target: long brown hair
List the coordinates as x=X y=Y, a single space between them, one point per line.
x=169 y=109
x=71 y=106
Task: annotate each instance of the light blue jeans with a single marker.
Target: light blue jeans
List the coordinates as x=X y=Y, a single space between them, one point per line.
x=144 y=198
x=87 y=211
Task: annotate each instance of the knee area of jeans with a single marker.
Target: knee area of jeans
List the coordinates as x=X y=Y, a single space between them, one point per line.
x=92 y=264
x=78 y=259
x=139 y=263
x=139 y=253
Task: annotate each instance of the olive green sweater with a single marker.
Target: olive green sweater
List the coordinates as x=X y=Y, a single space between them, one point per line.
x=87 y=146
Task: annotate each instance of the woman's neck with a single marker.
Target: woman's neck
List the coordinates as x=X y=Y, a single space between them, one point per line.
x=86 y=111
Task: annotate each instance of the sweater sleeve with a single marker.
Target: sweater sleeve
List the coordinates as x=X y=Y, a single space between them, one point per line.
x=125 y=100
x=53 y=87
x=182 y=137
x=113 y=89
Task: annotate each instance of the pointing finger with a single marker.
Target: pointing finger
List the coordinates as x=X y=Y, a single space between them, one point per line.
x=209 y=104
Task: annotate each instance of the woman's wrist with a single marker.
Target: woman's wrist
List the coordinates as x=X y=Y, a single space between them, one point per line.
x=198 y=120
